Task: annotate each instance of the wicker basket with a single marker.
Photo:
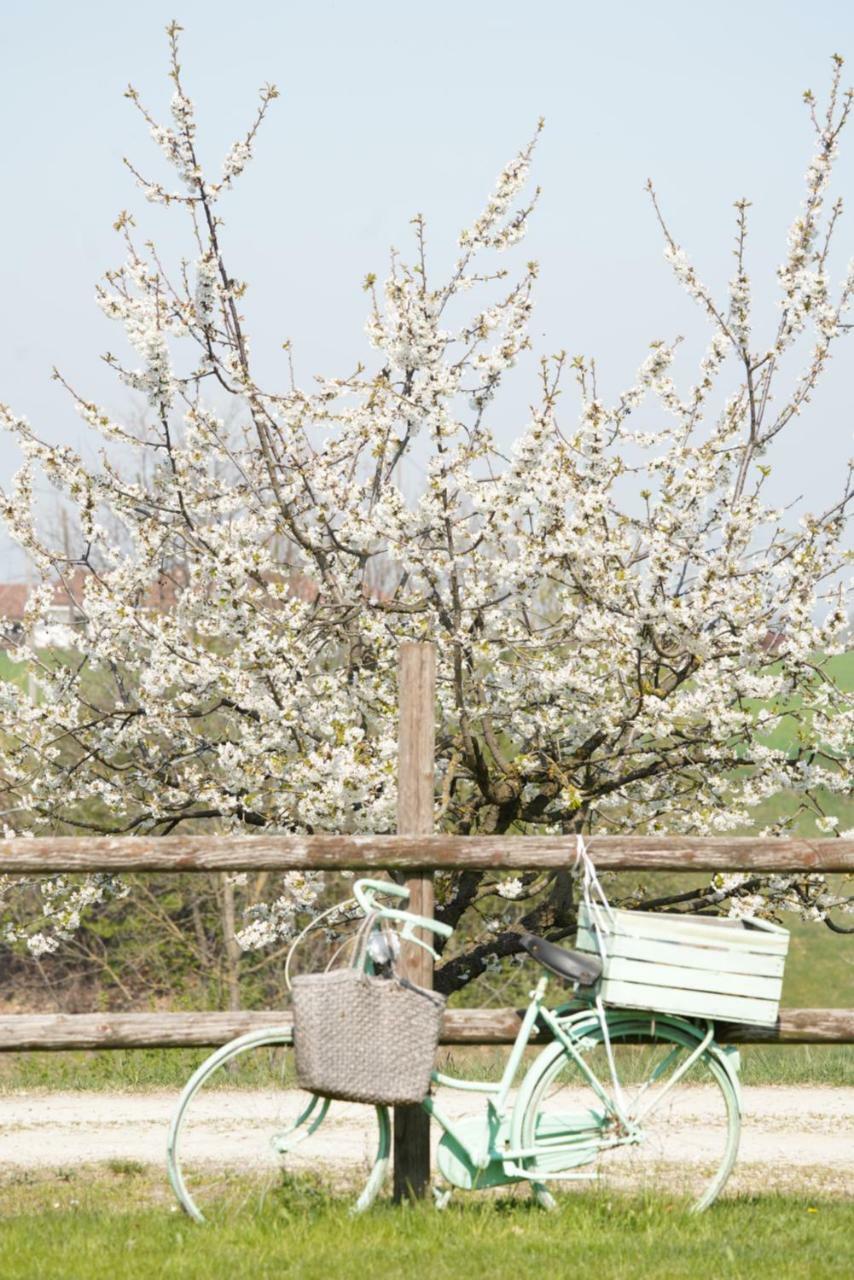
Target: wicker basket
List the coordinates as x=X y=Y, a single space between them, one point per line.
x=701 y=966
x=365 y=1039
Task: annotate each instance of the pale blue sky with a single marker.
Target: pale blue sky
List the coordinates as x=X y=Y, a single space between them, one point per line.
x=389 y=108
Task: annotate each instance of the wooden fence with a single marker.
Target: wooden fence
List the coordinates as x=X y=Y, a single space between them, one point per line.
x=414 y=850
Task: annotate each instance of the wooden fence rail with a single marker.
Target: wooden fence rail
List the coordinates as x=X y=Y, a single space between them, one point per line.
x=55 y=1031
x=44 y=856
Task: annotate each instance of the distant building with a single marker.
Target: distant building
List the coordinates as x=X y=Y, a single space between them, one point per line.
x=773 y=641
x=13 y=600
x=64 y=610
x=13 y=604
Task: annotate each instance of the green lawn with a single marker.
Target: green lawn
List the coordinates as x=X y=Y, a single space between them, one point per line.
x=138 y=1070
x=98 y=1227
x=787 y=735
x=10 y=670
x=841 y=668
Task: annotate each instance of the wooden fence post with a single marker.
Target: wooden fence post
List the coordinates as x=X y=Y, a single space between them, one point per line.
x=416 y=770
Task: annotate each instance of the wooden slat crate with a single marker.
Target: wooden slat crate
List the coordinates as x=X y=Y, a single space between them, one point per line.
x=699 y=966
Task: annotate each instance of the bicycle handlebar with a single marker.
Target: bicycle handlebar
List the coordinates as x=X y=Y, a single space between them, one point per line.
x=365 y=892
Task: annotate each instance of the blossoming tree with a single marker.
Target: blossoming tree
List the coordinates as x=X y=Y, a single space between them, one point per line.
x=601 y=594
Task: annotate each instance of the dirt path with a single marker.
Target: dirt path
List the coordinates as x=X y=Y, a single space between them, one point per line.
x=792 y=1138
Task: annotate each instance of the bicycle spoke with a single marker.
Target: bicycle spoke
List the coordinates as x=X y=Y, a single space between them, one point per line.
x=682 y=1115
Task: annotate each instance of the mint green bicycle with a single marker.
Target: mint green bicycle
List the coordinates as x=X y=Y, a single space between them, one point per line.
x=628 y=1101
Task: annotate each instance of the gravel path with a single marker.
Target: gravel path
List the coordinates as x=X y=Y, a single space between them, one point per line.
x=792 y=1137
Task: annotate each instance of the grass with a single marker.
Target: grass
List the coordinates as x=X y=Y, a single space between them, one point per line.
x=140 y=1070
x=787 y=735
x=120 y=1070
x=802 y=1064
x=10 y=670
x=96 y=1224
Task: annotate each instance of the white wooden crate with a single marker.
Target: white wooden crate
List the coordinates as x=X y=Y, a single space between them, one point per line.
x=700 y=966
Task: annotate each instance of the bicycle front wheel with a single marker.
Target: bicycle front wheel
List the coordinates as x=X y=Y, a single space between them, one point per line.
x=245 y=1137
x=677 y=1138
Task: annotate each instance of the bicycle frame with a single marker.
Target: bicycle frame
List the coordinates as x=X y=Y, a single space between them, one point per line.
x=498 y=1115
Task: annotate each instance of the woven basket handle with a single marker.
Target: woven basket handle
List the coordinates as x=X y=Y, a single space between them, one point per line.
x=363 y=937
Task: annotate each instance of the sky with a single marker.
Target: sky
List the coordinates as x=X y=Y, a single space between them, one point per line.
x=389 y=108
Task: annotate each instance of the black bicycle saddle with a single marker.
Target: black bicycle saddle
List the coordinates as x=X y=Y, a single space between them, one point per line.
x=577 y=966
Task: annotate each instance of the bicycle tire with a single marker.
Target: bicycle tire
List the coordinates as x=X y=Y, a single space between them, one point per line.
x=244 y=1134
x=690 y=1134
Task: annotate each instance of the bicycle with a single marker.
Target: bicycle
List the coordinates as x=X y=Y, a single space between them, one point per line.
x=632 y=1101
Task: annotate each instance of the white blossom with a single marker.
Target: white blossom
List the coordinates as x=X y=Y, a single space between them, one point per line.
x=512 y=888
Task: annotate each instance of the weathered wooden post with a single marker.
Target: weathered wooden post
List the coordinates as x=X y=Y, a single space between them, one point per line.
x=416 y=770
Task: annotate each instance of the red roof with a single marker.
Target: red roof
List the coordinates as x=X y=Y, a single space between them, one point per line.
x=13 y=600
x=161 y=595
x=14 y=596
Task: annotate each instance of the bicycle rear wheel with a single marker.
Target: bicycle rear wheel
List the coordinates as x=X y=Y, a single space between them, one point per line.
x=245 y=1137
x=687 y=1126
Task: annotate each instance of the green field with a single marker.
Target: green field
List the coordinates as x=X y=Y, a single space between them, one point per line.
x=10 y=670
x=117 y=1223
x=138 y=1070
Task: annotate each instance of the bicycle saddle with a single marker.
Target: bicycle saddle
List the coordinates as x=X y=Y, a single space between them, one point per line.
x=577 y=966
